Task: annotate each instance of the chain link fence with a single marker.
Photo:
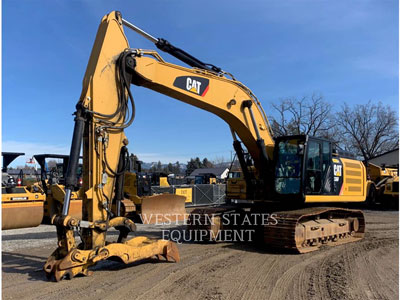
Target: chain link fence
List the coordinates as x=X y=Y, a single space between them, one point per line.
x=202 y=194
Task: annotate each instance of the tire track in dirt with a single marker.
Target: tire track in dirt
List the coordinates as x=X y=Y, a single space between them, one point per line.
x=353 y=272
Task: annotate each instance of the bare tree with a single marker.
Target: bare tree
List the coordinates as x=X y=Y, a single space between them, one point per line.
x=368 y=129
x=307 y=115
x=219 y=160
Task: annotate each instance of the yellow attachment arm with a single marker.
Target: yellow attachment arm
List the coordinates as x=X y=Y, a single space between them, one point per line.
x=217 y=94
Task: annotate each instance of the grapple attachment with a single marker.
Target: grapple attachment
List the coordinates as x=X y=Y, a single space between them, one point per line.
x=68 y=260
x=78 y=261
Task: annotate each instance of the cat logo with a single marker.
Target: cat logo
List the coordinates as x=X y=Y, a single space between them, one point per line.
x=337 y=170
x=193 y=84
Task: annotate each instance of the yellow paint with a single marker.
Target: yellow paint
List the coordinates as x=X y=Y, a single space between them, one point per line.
x=186 y=192
x=158 y=75
x=333 y=198
x=164 y=181
x=354 y=180
x=22 y=204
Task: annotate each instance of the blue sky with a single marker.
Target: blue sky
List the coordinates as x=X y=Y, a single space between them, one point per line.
x=345 y=50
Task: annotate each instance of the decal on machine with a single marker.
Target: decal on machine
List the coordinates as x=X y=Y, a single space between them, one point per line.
x=337 y=176
x=193 y=84
x=337 y=170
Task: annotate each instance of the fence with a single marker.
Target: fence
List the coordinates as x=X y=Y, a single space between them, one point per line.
x=202 y=194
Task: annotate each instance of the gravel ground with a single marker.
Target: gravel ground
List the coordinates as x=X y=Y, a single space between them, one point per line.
x=367 y=269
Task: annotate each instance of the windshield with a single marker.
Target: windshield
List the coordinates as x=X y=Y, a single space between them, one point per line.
x=288 y=167
x=234 y=175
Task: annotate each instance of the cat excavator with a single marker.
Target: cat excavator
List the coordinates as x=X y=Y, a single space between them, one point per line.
x=286 y=176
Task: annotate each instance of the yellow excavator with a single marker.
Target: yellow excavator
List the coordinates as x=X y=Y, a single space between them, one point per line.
x=283 y=176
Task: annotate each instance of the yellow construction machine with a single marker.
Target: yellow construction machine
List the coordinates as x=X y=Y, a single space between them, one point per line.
x=390 y=194
x=26 y=206
x=140 y=204
x=386 y=185
x=236 y=186
x=286 y=176
x=22 y=206
x=52 y=185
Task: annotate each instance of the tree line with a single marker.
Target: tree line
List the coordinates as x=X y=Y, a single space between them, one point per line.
x=169 y=168
x=366 y=130
x=192 y=164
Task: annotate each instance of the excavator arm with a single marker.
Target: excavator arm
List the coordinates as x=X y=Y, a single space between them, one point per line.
x=105 y=108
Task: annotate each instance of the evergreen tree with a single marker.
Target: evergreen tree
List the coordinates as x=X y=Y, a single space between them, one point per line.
x=191 y=166
x=170 y=168
x=198 y=163
x=207 y=164
x=177 y=168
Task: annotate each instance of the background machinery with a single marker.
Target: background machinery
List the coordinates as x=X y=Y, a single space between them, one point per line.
x=22 y=206
x=29 y=205
x=52 y=183
x=386 y=185
x=283 y=176
x=205 y=178
x=141 y=203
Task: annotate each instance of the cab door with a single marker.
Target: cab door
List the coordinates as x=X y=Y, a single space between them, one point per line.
x=318 y=177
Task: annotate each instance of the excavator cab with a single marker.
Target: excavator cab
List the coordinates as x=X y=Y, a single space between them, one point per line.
x=303 y=166
x=308 y=169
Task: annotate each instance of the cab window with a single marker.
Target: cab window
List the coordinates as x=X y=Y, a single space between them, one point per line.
x=288 y=168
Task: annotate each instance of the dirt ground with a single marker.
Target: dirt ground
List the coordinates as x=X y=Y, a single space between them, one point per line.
x=368 y=269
